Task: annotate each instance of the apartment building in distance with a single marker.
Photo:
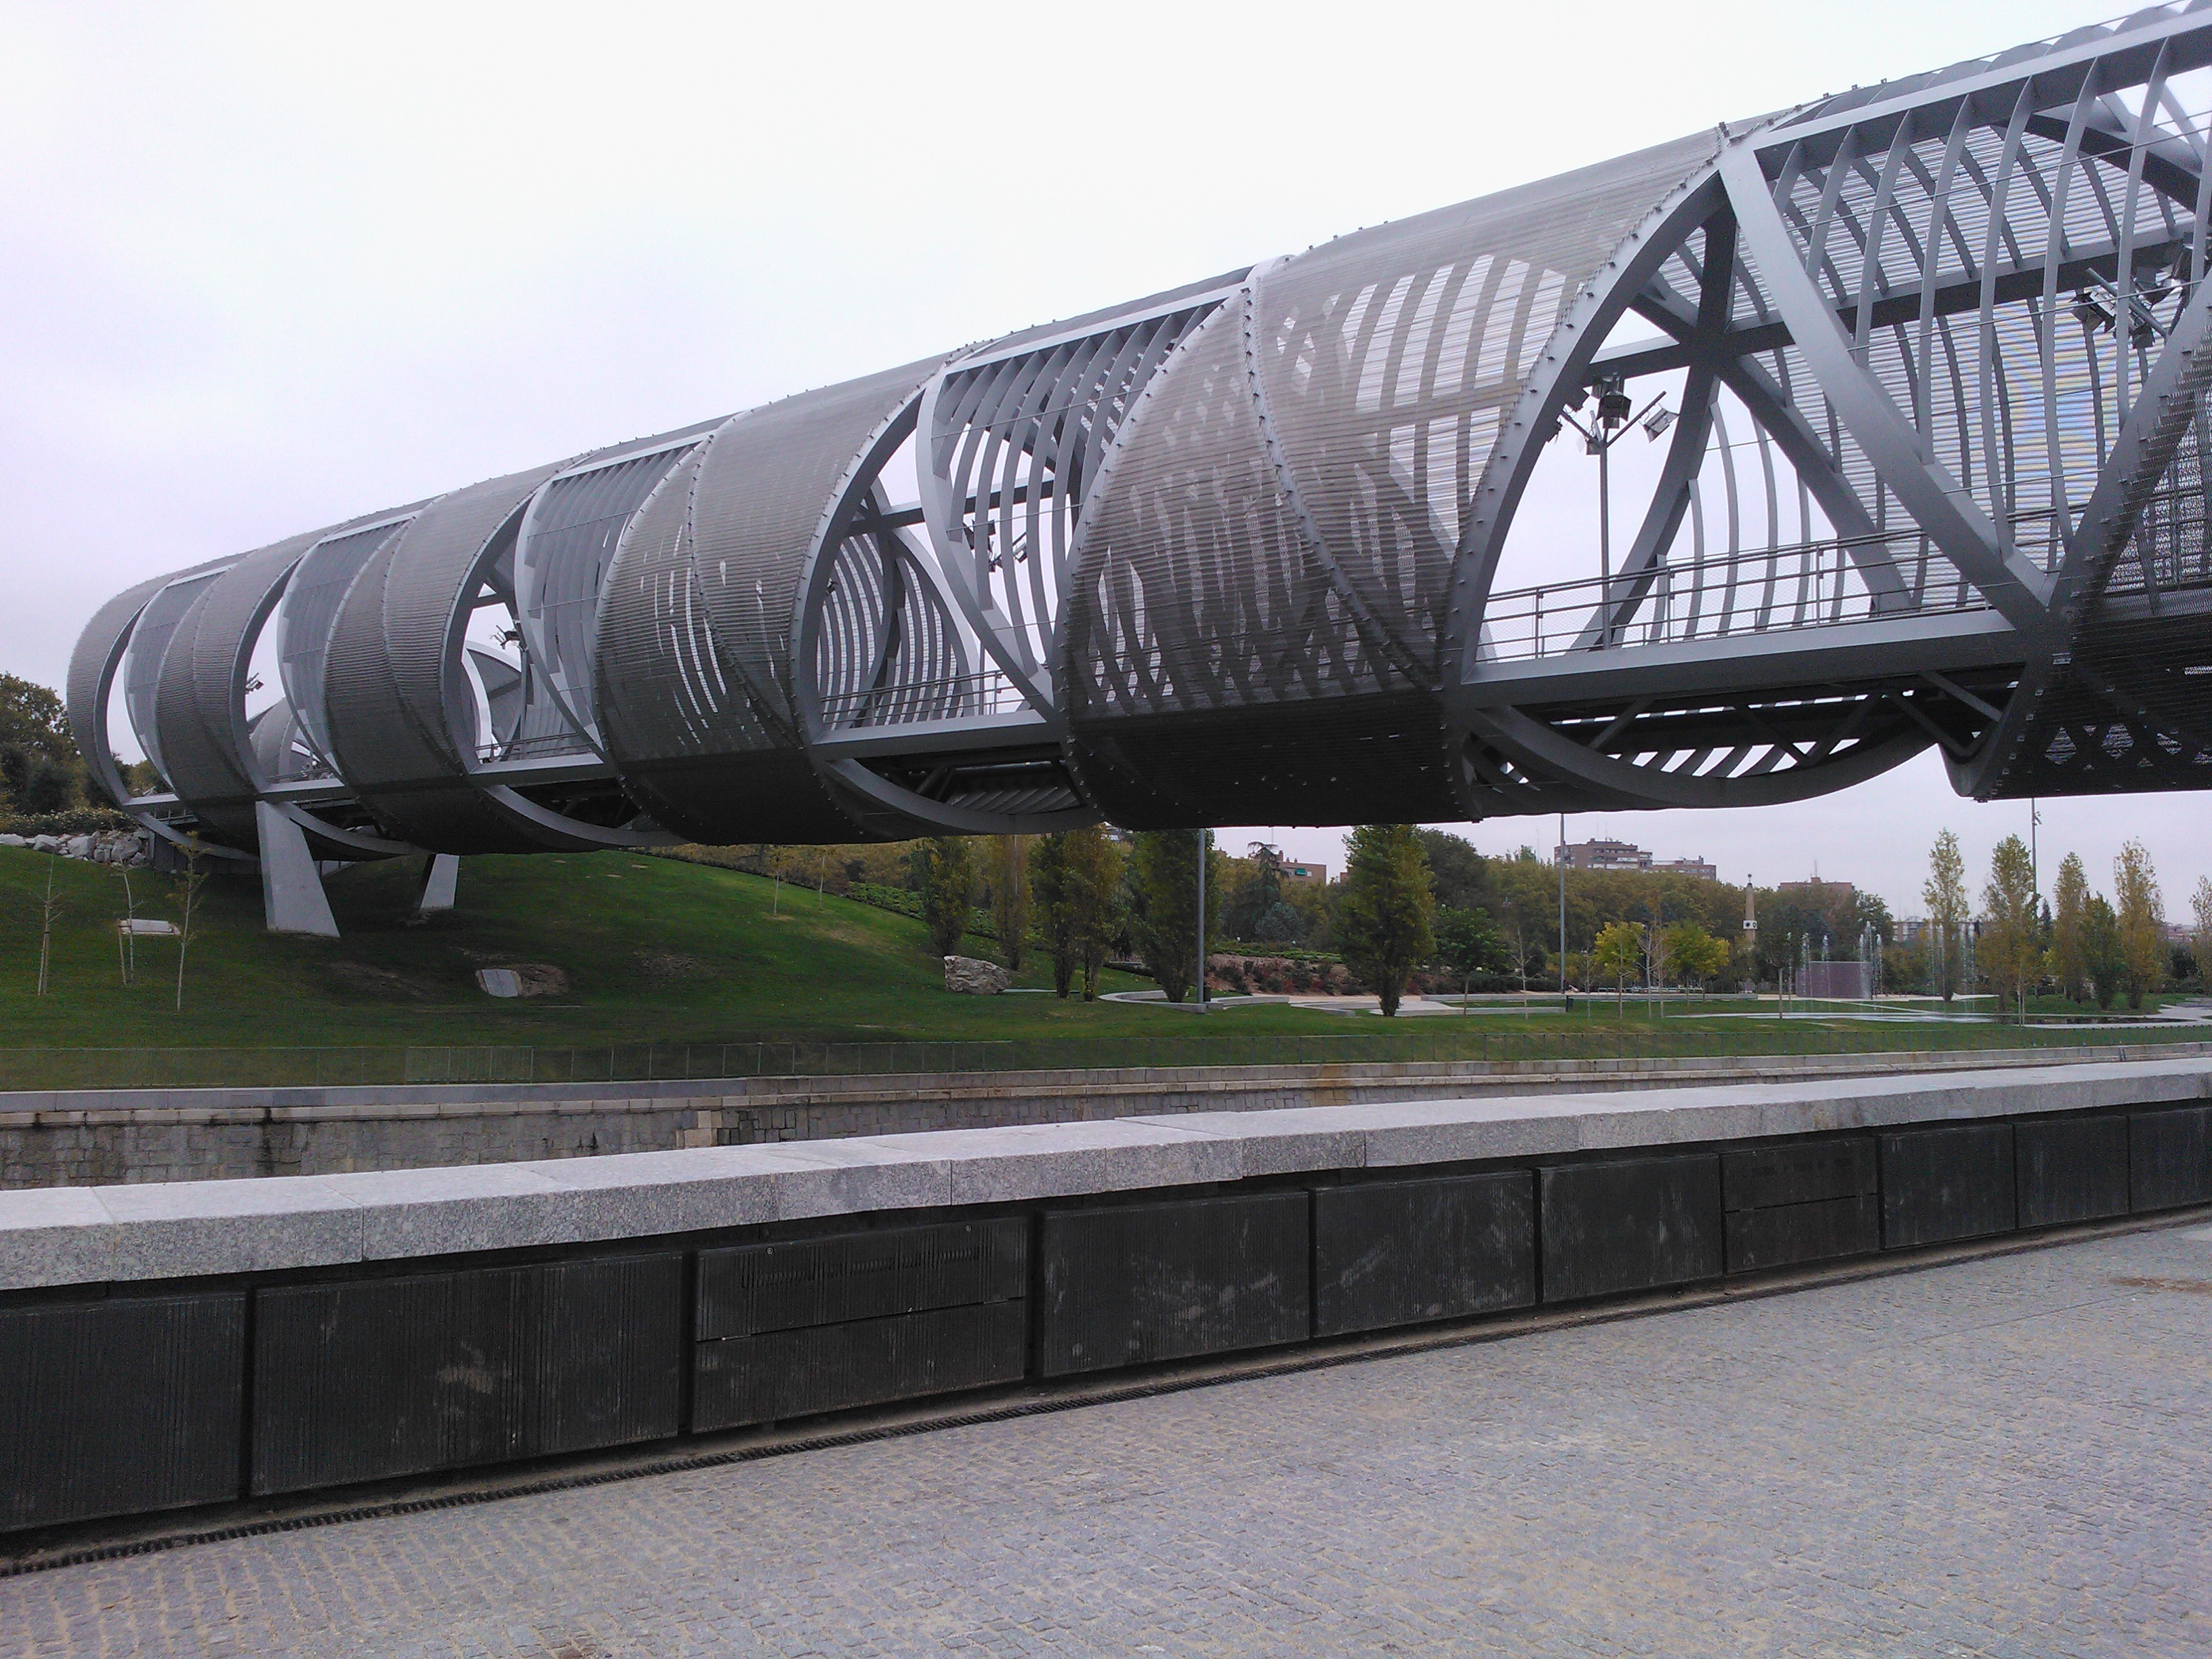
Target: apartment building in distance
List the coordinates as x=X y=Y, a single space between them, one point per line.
x=1625 y=855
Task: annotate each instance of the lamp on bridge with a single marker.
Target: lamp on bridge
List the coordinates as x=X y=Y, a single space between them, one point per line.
x=2088 y=313
x=1616 y=412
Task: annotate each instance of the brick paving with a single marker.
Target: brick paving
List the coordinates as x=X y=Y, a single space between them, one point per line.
x=2006 y=1457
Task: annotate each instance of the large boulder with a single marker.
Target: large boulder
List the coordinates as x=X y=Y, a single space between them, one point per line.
x=119 y=848
x=78 y=847
x=46 y=843
x=13 y=841
x=973 y=977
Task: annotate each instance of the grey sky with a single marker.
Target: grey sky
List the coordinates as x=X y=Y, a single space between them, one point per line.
x=264 y=268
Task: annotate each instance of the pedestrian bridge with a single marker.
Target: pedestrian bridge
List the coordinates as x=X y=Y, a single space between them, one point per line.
x=1913 y=387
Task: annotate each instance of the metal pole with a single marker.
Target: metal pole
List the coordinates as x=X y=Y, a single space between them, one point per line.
x=1605 y=536
x=1201 y=919
x=1563 y=905
x=2034 y=853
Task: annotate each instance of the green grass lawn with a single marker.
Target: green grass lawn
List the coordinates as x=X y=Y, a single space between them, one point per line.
x=651 y=949
x=665 y=960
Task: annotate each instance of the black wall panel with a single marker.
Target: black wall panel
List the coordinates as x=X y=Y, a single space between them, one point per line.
x=2070 y=1168
x=866 y=1362
x=1808 y=1201
x=813 y=1325
x=1798 y=1172
x=120 y=1407
x=1943 y=1184
x=1143 y=1282
x=2170 y=1158
x=1629 y=1224
x=860 y=1275
x=378 y=1377
x=1789 y=1234
x=1399 y=1252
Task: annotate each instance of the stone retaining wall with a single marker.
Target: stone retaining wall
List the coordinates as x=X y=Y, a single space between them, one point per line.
x=210 y=1343
x=99 y=1138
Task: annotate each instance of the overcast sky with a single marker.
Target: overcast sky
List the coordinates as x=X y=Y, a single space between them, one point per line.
x=265 y=268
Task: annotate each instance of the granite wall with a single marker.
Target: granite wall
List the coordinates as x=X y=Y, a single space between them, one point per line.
x=88 y=1137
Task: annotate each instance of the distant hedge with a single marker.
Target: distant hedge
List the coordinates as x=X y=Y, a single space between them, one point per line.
x=78 y=821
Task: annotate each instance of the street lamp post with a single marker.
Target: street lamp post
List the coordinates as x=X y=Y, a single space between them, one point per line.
x=1606 y=428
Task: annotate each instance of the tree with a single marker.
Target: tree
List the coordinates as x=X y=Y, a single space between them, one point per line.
x=2143 y=922
x=1260 y=889
x=1467 y=943
x=39 y=769
x=48 y=910
x=1383 y=916
x=35 y=717
x=2200 y=932
x=1945 y=896
x=2101 y=957
x=1458 y=875
x=1520 y=949
x=1009 y=858
x=1051 y=886
x=943 y=870
x=1619 y=951
x=1077 y=877
x=2010 y=948
x=195 y=879
x=1695 y=952
x=1095 y=866
x=2070 y=959
x=1163 y=899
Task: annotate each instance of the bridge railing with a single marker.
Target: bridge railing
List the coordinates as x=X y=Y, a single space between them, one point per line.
x=547 y=746
x=1810 y=585
x=961 y=697
x=1824 y=583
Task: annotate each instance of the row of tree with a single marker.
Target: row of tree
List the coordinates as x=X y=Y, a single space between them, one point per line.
x=1091 y=894
x=2080 y=944
x=1415 y=900
x=1088 y=894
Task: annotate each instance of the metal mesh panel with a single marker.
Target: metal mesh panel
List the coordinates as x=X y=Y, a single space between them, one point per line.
x=1195 y=588
x=1015 y=442
x=201 y=710
x=886 y=649
x=675 y=717
x=1387 y=358
x=149 y=645
x=93 y=663
x=561 y=559
x=763 y=489
x=310 y=610
x=399 y=723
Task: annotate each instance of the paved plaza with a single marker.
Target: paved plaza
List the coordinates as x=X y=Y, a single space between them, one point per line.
x=2006 y=1457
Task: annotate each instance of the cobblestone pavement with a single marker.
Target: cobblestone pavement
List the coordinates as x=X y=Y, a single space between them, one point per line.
x=2005 y=1457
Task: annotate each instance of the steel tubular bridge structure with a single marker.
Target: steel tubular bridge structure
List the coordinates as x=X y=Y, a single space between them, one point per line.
x=1937 y=354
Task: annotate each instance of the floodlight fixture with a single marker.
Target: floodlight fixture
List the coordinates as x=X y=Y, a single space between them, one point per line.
x=2090 y=315
x=1614 y=404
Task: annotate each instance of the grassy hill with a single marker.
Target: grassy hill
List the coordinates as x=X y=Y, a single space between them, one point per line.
x=650 y=950
x=655 y=962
